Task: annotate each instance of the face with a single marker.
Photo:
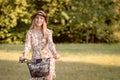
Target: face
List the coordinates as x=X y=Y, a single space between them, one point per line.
x=38 y=20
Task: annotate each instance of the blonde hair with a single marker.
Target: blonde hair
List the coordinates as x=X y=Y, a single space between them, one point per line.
x=44 y=29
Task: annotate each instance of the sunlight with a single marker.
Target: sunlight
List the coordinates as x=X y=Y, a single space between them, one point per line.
x=101 y=59
x=11 y=56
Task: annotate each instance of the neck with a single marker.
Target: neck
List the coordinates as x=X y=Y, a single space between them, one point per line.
x=38 y=27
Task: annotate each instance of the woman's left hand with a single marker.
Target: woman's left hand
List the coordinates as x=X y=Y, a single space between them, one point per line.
x=57 y=56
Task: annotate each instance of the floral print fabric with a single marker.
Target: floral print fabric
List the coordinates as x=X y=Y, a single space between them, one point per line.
x=41 y=48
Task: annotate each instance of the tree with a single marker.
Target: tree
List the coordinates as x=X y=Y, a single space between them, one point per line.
x=79 y=21
x=94 y=19
x=11 y=13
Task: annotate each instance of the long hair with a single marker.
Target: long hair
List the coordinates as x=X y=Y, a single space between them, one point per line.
x=44 y=29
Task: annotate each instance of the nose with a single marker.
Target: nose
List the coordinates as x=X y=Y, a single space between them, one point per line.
x=39 y=19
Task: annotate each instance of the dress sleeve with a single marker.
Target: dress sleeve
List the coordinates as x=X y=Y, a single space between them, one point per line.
x=51 y=44
x=27 y=45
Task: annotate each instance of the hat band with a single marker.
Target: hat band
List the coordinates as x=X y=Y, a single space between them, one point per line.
x=40 y=13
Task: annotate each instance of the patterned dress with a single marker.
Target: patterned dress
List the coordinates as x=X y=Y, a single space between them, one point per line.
x=41 y=48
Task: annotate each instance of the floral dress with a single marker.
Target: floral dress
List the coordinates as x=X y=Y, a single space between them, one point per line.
x=41 y=48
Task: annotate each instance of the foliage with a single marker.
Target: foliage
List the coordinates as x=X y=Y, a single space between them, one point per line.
x=79 y=21
x=13 y=12
x=95 y=18
x=83 y=20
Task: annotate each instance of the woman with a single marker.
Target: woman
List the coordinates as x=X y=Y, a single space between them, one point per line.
x=39 y=38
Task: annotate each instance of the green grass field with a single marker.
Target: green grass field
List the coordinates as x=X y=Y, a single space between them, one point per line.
x=78 y=62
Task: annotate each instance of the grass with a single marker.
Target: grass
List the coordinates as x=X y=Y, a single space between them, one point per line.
x=78 y=62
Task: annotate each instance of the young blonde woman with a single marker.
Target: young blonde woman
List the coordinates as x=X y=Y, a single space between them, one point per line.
x=39 y=39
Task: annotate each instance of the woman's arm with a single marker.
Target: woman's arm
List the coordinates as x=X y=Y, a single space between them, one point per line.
x=27 y=46
x=51 y=45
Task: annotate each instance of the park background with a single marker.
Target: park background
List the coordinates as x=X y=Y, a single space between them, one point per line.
x=86 y=33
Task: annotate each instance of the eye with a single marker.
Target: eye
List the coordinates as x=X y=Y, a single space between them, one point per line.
x=37 y=17
x=41 y=17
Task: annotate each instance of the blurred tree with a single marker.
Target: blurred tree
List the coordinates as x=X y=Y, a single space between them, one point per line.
x=117 y=19
x=80 y=21
x=93 y=19
x=13 y=12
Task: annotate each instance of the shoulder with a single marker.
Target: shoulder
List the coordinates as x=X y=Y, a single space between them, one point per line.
x=30 y=31
x=49 y=31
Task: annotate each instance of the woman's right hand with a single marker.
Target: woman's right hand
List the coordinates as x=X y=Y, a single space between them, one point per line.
x=21 y=59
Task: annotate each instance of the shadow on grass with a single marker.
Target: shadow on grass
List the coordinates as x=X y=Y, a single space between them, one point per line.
x=12 y=70
x=86 y=71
